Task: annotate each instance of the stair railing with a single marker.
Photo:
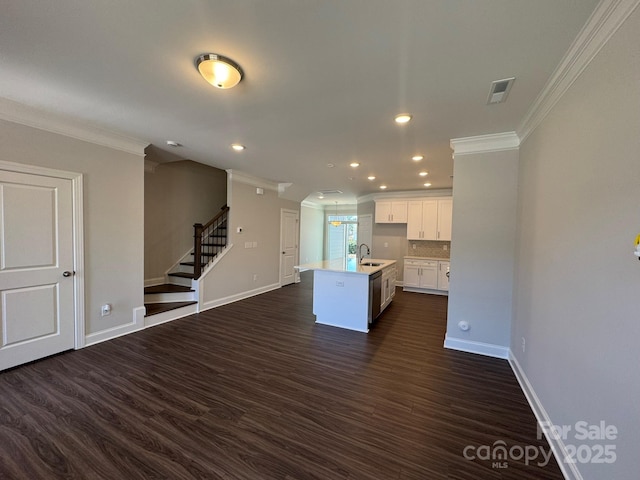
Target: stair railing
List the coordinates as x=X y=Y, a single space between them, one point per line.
x=209 y=240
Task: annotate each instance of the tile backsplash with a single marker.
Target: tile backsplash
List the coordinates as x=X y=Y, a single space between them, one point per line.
x=428 y=248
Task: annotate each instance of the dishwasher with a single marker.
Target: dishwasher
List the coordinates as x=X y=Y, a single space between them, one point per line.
x=375 y=295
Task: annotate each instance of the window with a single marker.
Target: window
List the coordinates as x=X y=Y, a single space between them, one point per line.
x=342 y=240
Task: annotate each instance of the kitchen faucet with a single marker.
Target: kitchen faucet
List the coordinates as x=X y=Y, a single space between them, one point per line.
x=360 y=251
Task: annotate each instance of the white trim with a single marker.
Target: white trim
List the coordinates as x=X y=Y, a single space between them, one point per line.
x=78 y=257
x=569 y=470
x=70 y=127
x=430 y=291
x=495 y=142
x=176 y=265
x=487 y=349
x=408 y=195
x=237 y=297
x=135 y=325
x=150 y=282
x=309 y=204
x=605 y=20
x=77 y=200
x=241 y=177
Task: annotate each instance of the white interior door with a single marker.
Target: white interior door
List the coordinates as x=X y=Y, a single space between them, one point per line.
x=288 y=245
x=36 y=267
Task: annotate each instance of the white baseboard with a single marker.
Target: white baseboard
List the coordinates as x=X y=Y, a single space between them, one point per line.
x=569 y=470
x=487 y=349
x=136 y=324
x=171 y=315
x=238 y=296
x=150 y=282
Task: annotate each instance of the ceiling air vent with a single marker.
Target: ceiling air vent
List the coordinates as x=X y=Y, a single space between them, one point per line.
x=499 y=90
x=330 y=192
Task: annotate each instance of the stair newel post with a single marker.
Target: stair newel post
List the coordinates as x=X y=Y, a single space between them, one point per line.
x=197 y=250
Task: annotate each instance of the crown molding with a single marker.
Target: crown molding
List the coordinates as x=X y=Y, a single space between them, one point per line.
x=495 y=142
x=69 y=127
x=315 y=206
x=241 y=177
x=407 y=194
x=605 y=20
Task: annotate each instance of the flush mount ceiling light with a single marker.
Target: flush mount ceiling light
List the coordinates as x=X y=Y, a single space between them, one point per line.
x=383 y=187
x=403 y=118
x=219 y=71
x=427 y=184
x=417 y=158
x=237 y=147
x=423 y=174
x=354 y=164
x=173 y=143
x=371 y=177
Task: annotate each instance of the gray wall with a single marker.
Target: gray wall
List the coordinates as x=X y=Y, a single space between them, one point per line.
x=177 y=195
x=312 y=223
x=259 y=217
x=483 y=246
x=576 y=297
x=113 y=215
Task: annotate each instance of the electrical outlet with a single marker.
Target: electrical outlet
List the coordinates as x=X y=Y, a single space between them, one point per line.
x=105 y=310
x=413 y=245
x=523 y=344
x=445 y=247
x=255 y=277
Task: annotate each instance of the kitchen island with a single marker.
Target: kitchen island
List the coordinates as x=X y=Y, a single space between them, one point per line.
x=351 y=297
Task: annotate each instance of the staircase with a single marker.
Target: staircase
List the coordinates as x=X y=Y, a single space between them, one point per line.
x=178 y=297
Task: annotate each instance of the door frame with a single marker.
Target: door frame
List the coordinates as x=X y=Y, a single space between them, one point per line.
x=297 y=254
x=77 y=236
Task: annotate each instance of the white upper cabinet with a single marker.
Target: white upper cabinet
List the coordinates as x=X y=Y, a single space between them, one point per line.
x=445 y=216
x=388 y=211
x=429 y=219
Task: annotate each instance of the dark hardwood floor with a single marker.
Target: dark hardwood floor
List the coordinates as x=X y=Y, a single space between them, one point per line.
x=256 y=390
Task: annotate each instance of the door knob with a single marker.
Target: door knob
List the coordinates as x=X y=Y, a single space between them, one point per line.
x=67 y=273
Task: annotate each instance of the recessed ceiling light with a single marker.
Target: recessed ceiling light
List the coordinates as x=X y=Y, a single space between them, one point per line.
x=417 y=158
x=330 y=165
x=371 y=177
x=403 y=118
x=351 y=178
x=237 y=147
x=219 y=71
x=382 y=187
x=320 y=197
x=423 y=174
x=427 y=184
x=171 y=143
x=354 y=164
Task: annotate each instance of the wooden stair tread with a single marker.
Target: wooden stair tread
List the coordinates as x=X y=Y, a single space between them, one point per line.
x=205 y=255
x=181 y=274
x=168 y=288
x=155 y=308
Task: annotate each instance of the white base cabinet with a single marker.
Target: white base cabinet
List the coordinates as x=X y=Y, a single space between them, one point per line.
x=389 y=276
x=426 y=276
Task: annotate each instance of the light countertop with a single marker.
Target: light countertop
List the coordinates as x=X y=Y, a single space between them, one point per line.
x=413 y=257
x=338 y=266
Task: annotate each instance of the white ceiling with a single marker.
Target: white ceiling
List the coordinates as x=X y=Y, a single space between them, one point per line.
x=323 y=78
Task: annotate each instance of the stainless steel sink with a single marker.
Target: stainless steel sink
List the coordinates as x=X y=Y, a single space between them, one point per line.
x=370 y=264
